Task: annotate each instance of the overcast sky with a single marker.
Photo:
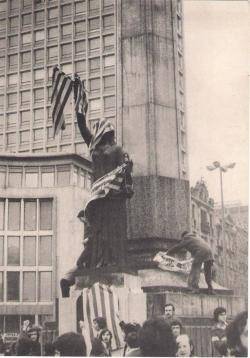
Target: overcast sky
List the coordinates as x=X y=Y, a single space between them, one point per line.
x=216 y=49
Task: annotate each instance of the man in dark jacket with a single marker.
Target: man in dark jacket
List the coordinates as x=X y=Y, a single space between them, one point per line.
x=201 y=253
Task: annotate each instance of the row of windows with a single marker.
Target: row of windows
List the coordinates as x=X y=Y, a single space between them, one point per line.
x=26 y=286
x=32 y=177
x=106 y=22
x=79 y=5
x=26 y=215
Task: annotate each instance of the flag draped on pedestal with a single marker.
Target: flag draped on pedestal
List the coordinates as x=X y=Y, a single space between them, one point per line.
x=101 y=301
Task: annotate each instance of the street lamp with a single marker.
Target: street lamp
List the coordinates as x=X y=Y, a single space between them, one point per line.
x=222 y=169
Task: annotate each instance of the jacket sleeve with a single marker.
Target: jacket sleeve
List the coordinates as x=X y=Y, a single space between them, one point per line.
x=176 y=248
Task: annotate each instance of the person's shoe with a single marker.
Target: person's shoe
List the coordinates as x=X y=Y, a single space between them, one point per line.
x=65 y=288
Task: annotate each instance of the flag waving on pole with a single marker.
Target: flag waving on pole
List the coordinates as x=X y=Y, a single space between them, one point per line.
x=61 y=90
x=81 y=103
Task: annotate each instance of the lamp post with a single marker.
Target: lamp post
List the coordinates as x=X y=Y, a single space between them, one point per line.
x=222 y=169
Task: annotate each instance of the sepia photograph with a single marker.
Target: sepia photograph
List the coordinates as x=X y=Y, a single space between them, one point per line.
x=124 y=162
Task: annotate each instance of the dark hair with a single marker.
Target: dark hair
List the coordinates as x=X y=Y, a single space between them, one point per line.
x=156 y=339
x=24 y=347
x=101 y=321
x=218 y=311
x=176 y=322
x=49 y=349
x=34 y=329
x=235 y=329
x=169 y=304
x=103 y=331
x=70 y=344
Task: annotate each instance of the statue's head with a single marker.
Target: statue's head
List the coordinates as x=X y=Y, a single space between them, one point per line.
x=103 y=133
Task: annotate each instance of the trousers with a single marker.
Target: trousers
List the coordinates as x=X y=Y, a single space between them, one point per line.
x=194 y=275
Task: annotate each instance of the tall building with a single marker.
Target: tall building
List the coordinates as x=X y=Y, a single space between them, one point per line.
x=130 y=54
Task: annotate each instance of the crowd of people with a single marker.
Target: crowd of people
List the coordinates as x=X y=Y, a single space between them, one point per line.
x=163 y=336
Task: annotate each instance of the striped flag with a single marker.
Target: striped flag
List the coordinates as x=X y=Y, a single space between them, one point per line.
x=101 y=301
x=61 y=89
x=81 y=103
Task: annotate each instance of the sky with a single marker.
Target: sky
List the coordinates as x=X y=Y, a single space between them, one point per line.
x=217 y=93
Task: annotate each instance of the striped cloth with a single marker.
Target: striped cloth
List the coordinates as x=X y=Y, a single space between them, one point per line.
x=101 y=301
x=111 y=181
x=61 y=89
x=99 y=129
x=81 y=103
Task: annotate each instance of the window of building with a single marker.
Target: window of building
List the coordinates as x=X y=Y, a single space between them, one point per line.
x=66 y=134
x=29 y=286
x=94 y=24
x=109 y=103
x=63 y=175
x=38 y=134
x=3 y=43
x=80 y=67
x=25 y=77
x=3 y=6
x=38 y=95
x=31 y=178
x=2 y=25
x=94 y=65
x=12 y=79
x=1 y=253
x=80 y=47
x=66 y=30
x=29 y=251
x=95 y=85
x=26 y=3
x=24 y=137
x=13 y=284
x=52 y=53
x=39 y=36
x=108 y=22
x=66 y=10
x=26 y=38
x=66 y=51
x=25 y=58
x=2 y=81
x=2 y=208
x=39 y=56
x=45 y=286
x=45 y=214
x=48 y=177
x=53 y=13
x=94 y=44
x=45 y=251
x=2 y=62
x=93 y=5
x=39 y=17
x=26 y=19
x=80 y=28
x=38 y=115
x=25 y=98
x=11 y=120
x=11 y=138
x=109 y=62
x=109 y=83
x=95 y=105
x=14 y=5
x=15 y=179
x=52 y=33
x=108 y=42
x=80 y=7
x=13 y=41
x=13 y=251
x=30 y=218
x=13 y=23
x=25 y=117
x=39 y=76
x=107 y=4
x=12 y=99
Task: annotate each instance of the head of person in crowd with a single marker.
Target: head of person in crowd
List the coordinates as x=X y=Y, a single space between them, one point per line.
x=169 y=311
x=156 y=339
x=185 y=347
x=105 y=337
x=237 y=335
x=220 y=315
x=131 y=334
x=70 y=344
x=99 y=323
x=34 y=333
x=176 y=327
